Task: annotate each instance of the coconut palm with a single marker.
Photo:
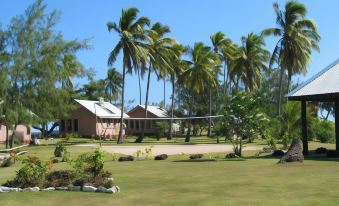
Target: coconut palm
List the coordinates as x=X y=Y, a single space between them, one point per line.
x=160 y=52
x=132 y=34
x=252 y=61
x=201 y=74
x=113 y=84
x=298 y=36
x=70 y=67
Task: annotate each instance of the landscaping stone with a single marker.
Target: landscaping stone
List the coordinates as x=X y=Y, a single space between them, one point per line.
x=117 y=188
x=15 y=189
x=113 y=189
x=49 y=189
x=161 y=157
x=231 y=156
x=61 y=188
x=31 y=189
x=74 y=188
x=294 y=153
x=196 y=156
x=101 y=189
x=126 y=158
x=89 y=188
x=5 y=189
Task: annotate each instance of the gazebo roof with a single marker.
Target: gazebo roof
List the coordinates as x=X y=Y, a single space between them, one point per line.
x=324 y=86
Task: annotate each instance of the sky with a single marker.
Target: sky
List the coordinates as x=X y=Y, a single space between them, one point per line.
x=190 y=21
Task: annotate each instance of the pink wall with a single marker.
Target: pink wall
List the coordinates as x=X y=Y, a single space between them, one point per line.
x=22 y=129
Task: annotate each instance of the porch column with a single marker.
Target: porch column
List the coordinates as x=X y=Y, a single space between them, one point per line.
x=336 y=119
x=304 y=127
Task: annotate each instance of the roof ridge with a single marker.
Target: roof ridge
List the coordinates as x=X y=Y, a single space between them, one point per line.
x=314 y=77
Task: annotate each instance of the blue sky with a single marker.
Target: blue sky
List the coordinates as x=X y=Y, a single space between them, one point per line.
x=189 y=20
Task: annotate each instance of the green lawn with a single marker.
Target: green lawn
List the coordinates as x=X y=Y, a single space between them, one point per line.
x=178 y=181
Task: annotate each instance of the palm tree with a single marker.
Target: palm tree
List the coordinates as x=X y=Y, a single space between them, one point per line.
x=160 y=52
x=113 y=84
x=70 y=67
x=132 y=34
x=200 y=76
x=178 y=66
x=297 y=38
x=252 y=61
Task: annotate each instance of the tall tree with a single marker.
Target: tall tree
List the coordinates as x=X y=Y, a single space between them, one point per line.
x=160 y=52
x=113 y=84
x=252 y=61
x=298 y=36
x=132 y=34
x=200 y=76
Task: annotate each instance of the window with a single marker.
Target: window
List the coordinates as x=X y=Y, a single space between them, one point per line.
x=62 y=126
x=75 y=125
x=69 y=125
x=137 y=124
x=132 y=124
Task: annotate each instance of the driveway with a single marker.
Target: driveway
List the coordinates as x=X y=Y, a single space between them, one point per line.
x=171 y=149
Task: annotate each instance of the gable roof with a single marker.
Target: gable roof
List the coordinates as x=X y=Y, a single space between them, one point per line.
x=104 y=110
x=323 y=83
x=155 y=110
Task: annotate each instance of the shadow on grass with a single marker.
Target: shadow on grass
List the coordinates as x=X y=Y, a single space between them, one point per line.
x=199 y=160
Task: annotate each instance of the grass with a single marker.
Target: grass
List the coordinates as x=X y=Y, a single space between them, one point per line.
x=179 y=181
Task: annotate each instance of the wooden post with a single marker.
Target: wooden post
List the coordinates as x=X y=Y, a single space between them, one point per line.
x=336 y=119
x=304 y=127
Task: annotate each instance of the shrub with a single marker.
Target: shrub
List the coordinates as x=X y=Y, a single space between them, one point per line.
x=61 y=178
x=126 y=158
x=115 y=156
x=161 y=157
x=59 y=150
x=7 y=162
x=32 y=174
x=54 y=161
x=321 y=150
x=332 y=153
x=196 y=156
x=278 y=153
x=231 y=156
x=325 y=131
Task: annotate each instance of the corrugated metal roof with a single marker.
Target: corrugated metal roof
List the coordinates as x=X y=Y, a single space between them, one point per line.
x=324 y=82
x=104 y=110
x=156 y=110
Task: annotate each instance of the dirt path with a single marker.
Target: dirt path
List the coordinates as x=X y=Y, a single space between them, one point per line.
x=171 y=149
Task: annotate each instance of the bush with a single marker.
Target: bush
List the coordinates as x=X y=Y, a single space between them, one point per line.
x=161 y=157
x=59 y=151
x=321 y=150
x=278 y=153
x=325 y=131
x=7 y=162
x=54 y=161
x=115 y=157
x=332 y=153
x=231 y=156
x=196 y=156
x=32 y=174
x=61 y=178
x=126 y=158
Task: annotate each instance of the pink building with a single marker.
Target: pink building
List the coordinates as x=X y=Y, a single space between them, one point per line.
x=92 y=118
x=22 y=132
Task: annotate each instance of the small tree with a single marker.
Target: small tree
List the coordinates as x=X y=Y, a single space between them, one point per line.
x=243 y=120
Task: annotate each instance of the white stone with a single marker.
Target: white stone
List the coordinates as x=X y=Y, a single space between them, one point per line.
x=117 y=188
x=31 y=189
x=110 y=179
x=15 y=189
x=5 y=189
x=113 y=189
x=89 y=188
x=74 y=188
x=49 y=189
x=61 y=188
x=101 y=189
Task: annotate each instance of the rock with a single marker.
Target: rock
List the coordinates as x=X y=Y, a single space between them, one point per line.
x=196 y=156
x=5 y=189
x=101 y=189
x=61 y=188
x=112 y=190
x=49 y=189
x=267 y=150
x=31 y=189
x=117 y=188
x=321 y=150
x=161 y=157
x=278 y=153
x=89 y=188
x=74 y=188
x=294 y=153
x=231 y=156
x=126 y=158
x=15 y=189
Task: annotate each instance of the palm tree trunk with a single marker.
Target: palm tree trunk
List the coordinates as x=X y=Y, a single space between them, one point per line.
x=11 y=143
x=164 y=94
x=139 y=77
x=172 y=111
x=210 y=114
x=141 y=137
x=225 y=87
x=120 y=138
x=188 y=134
x=7 y=137
x=280 y=91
